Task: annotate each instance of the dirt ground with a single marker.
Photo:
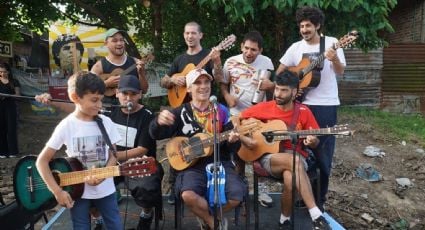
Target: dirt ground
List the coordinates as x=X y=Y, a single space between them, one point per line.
x=354 y=202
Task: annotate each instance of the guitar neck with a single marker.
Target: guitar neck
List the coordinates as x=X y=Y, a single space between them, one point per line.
x=128 y=70
x=204 y=61
x=222 y=136
x=77 y=177
x=317 y=61
x=303 y=133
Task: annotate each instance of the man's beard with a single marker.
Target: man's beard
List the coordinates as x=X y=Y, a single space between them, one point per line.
x=283 y=101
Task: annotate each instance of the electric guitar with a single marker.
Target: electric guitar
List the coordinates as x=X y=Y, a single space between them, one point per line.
x=270 y=133
x=183 y=152
x=177 y=94
x=33 y=195
x=110 y=91
x=304 y=69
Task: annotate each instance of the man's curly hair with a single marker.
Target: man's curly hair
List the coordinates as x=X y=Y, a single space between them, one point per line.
x=313 y=14
x=63 y=40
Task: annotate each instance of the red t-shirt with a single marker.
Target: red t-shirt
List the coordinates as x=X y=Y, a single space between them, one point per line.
x=268 y=110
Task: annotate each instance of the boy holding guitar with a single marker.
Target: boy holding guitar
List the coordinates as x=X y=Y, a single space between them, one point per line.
x=110 y=68
x=79 y=131
x=279 y=164
x=322 y=100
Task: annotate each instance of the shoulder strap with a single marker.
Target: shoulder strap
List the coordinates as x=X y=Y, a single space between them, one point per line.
x=322 y=44
x=295 y=115
x=105 y=135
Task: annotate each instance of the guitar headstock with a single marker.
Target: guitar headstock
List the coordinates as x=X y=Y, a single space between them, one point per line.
x=347 y=39
x=342 y=130
x=227 y=43
x=138 y=167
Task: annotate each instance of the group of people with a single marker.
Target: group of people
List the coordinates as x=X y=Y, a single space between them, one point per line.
x=136 y=128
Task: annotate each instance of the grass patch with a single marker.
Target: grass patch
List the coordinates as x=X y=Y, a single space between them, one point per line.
x=398 y=126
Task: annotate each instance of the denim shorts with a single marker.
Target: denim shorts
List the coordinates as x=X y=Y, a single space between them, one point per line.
x=266 y=159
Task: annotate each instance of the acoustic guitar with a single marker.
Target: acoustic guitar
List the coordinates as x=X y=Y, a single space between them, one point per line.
x=270 y=133
x=178 y=94
x=110 y=91
x=183 y=152
x=33 y=195
x=304 y=69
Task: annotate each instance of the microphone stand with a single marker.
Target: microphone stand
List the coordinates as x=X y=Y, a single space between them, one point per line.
x=294 y=140
x=215 y=164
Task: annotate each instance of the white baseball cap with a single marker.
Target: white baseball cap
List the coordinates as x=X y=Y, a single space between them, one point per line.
x=195 y=74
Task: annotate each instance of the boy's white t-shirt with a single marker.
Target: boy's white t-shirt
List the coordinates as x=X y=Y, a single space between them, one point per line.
x=84 y=141
x=326 y=93
x=239 y=74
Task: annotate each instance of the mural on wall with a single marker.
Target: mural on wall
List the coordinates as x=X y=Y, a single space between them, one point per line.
x=72 y=48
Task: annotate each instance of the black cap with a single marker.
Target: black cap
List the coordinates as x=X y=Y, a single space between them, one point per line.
x=129 y=83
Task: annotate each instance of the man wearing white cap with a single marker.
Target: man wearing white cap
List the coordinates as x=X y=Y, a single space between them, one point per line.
x=116 y=58
x=190 y=119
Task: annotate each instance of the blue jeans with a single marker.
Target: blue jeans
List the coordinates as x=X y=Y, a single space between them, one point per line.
x=326 y=116
x=108 y=207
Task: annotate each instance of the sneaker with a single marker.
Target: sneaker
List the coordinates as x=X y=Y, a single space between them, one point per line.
x=3 y=156
x=144 y=223
x=321 y=224
x=265 y=200
x=202 y=224
x=12 y=156
x=171 y=198
x=223 y=224
x=286 y=225
x=98 y=223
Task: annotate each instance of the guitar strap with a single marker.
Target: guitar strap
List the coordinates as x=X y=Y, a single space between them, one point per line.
x=322 y=50
x=295 y=116
x=105 y=135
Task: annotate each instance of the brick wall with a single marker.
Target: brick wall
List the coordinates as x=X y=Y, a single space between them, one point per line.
x=408 y=21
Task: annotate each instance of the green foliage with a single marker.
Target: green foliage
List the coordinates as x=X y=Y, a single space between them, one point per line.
x=162 y=22
x=394 y=126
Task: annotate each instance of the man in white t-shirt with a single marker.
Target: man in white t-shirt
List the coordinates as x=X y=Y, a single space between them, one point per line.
x=240 y=83
x=322 y=100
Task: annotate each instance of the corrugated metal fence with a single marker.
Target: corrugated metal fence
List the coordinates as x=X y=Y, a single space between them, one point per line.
x=403 y=78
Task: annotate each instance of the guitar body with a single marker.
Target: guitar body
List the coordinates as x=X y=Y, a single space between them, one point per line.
x=310 y=79
x=178 y=94
x=30 y=190
x=183 y=152
x=110 y=91
x=263 y=146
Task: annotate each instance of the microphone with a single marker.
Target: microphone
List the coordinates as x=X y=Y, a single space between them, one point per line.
x=129 y=105
x=213 y=99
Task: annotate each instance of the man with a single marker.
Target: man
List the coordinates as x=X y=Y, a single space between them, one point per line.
x=194 y=54
x=195 y=118
x=322 y=100
x=117 y=59
x=135 y=142
x=239 y=74
x=64 y=49
x=279 y=165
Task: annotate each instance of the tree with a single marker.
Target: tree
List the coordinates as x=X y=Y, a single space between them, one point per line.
x=161 y=22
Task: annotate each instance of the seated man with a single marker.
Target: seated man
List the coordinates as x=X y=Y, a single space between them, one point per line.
x=195 y=118
x=279 y=165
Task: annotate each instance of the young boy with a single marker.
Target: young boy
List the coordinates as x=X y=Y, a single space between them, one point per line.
x=81 y=135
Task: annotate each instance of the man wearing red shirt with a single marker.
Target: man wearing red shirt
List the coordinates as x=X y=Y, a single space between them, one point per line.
x=279 y=165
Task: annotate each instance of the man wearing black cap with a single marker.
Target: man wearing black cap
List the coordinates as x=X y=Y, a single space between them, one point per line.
x=136 y=142
x=117 y=59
